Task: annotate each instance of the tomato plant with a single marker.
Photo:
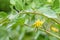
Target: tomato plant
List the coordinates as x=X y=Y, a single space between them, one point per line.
x=30 y=20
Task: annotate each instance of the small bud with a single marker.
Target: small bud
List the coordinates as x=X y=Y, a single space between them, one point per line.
x=54 y=29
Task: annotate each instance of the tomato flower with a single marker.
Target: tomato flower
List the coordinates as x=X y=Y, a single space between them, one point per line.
x=38 y=23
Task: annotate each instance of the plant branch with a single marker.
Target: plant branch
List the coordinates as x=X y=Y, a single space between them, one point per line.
x=46 y=32
x=38 y=13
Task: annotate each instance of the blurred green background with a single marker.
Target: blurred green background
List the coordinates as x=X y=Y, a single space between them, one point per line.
x=18 y=16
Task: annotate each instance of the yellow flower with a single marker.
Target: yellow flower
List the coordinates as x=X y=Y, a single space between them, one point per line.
x=54 y=29
x=38 y=23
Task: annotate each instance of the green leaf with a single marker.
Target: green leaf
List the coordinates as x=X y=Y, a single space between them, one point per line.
x=3 y=34
x=55 y=4
x=52 y=38
x=19 y=4
x=20 y=21
x=3 y=14
x=48 y=12
x=12 y=2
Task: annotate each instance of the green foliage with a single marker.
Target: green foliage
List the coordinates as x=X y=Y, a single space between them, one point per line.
x=5 y=5
x=19 y=25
